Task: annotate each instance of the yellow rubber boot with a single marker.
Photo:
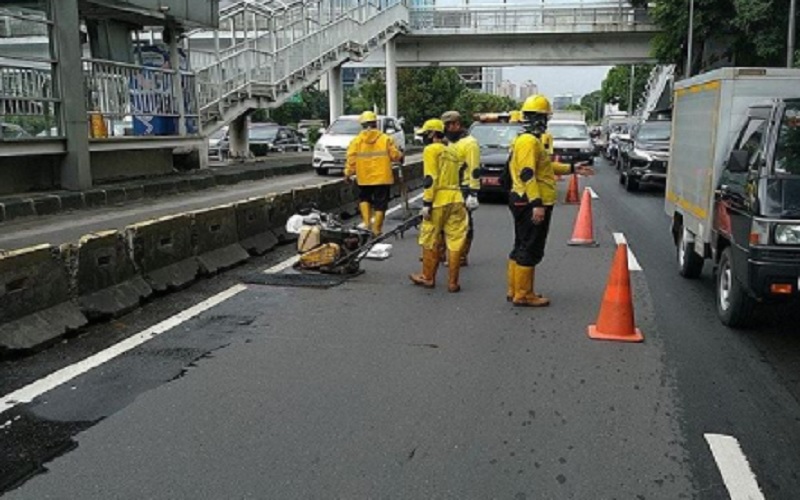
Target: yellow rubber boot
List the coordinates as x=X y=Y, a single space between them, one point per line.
x=512 y=266
x=366 y=213
x=377 y=227
x=430 y=264
x=454 y=270
x=523 y=289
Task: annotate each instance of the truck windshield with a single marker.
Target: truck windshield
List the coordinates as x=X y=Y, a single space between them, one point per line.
x=787 y=152
x=568 y=132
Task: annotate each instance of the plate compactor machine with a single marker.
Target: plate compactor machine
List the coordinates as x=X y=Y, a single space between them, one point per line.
x=326 y=245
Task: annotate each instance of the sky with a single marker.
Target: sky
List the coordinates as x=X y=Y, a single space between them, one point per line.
x=558 y=80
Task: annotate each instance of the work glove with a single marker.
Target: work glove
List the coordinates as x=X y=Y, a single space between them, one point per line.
x=426 y=213
x=472 y=203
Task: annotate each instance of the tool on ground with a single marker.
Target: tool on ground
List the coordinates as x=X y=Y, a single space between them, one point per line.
x=327 y=245
x=583 y=233
x=403 y=190
x=616 y=321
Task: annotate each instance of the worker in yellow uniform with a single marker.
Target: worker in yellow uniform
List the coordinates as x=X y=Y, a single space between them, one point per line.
x=443 y=208
x=533 y=194
x=369 y=158
x=468 y=151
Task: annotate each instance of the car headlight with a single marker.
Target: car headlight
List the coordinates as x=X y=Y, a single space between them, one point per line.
x=587 y=150
x=320 y=148
x=787 y=234
x=641 y=154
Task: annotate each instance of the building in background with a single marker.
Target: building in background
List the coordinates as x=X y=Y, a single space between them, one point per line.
x=492 y=78
x=561 y=102
x=507 y=89
x=527 y=89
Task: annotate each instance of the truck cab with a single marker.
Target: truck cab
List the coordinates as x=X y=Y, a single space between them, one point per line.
x=756 y=224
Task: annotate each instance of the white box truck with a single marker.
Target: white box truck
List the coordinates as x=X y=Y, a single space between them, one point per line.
x=733 y=185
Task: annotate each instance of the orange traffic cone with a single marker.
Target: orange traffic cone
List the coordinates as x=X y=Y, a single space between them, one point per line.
x=583 y=234
x=615 y=321
x=573 y=198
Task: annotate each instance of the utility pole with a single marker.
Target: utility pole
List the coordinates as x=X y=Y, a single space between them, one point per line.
x=630 y=95
x=690 y=43
x=792 y=33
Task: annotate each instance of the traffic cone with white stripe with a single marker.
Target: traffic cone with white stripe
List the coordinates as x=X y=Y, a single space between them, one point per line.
x=616 y=321
x=583 y=234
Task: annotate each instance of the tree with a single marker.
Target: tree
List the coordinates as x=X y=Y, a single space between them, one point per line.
x=313 y=105
x=753 y=30
x=616 y=86
x=471 y=102
x=593 y=105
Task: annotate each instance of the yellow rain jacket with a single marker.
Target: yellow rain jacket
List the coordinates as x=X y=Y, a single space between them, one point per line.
x=531 y=180
x=370 y=156
x=441 y=171
x=468 y=152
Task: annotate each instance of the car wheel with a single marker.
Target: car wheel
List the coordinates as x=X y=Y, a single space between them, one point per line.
x=631 y=184
x=690 y=265
x=621 y=179
x=735 y=307
x=322 y=171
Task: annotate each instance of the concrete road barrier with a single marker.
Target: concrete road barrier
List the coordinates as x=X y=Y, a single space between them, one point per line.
x=349 y=196
x=252 y=226
x=305 y=197
x=330 y=196
x=281 y=208
x=37 y=304
x=163 y=251
x=216 y=239
x=104 y=275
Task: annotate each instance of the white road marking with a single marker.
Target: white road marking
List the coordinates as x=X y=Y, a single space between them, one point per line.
x=55 y=379
x=633 y=262
x=736 y=472
x=592 y=193
x=286 y=264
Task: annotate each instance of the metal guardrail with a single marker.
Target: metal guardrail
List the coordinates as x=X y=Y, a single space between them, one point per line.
x=497 y=19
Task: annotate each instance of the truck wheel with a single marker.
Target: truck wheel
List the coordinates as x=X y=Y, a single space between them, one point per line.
x=734 y=306
x=690 y=265
x=631 y=184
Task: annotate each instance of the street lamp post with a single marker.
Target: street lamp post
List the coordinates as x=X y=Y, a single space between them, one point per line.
x=691 y=40
x=792 y=33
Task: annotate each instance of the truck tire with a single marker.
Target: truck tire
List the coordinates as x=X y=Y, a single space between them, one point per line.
x=690 y=265
x=735 y=307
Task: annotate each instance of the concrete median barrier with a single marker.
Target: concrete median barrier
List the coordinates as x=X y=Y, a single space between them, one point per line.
x=217 y=240
x=104 y=275
x=305 y=197
x=281 y=208
x=36 y=303
x=330 y=196
x=163 y=251
x=349 y=198
x=252 y=226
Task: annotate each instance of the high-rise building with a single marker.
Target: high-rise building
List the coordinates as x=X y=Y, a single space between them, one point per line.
x=492 y=78
x=527 y=89
x=561 y=102
x=507 y=89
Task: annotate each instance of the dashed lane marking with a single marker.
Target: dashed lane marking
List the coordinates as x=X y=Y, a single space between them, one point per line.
x=592 y=193
x=736 y=472
x=633 y=262
x=57 y=378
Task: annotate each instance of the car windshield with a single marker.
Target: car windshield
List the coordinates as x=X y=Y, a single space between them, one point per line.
x=495 y=134
x=219 y=134
x=568 y=131
x=655 y=131
x=263 y=132
x=787 y=152
x=345 y=127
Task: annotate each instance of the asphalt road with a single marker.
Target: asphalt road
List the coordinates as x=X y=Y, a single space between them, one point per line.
x=376 y=388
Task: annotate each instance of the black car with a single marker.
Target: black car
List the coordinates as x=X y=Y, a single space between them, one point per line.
x=263 y=138
x=494 y=139
x=644 y=158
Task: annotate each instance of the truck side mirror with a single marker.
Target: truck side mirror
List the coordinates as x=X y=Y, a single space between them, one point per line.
x=737 y=163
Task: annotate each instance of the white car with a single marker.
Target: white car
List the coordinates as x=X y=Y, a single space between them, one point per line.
x=330 y=152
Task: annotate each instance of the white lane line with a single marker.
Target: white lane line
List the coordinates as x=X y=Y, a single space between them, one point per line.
x=633 y=262
x=55 y=379
x=592 y=193
x=286 y=264
x=736 y=472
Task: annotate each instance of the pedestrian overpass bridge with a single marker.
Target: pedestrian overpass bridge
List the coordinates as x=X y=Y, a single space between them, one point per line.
x=260 y=53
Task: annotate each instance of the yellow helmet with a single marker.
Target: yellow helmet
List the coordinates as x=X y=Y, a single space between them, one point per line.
x=432 y=125
x=537 y=104
x=515 y=117
x=367 y=116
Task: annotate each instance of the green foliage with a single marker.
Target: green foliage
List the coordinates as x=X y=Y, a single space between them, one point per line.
x=593 y=105
x=313 y=135
x=313 y=105
x=32 y=124
x=754 y=30
x=616 y=86
x=471 y=102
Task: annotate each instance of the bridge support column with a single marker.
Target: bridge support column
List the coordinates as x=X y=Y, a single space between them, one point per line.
x=237 y=133
x=391 y=79
x=76 y=170
x=335 y=93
